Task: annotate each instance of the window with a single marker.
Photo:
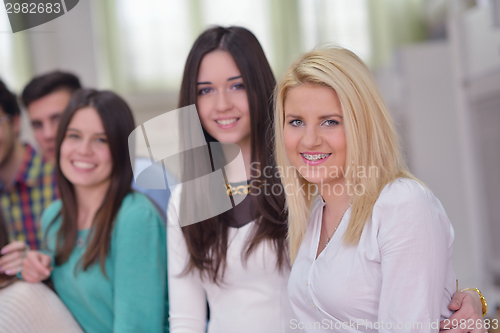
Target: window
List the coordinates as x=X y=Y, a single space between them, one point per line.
x=15 y=68
x=149 y=43
x=341 y=22
x=154 y=37
x=152 y=40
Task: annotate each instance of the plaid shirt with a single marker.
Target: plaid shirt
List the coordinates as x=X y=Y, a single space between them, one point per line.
x=34 y=188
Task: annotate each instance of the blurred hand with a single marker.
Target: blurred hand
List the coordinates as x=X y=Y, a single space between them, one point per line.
x=468 y=316
x=12 y=257
x=36 y=267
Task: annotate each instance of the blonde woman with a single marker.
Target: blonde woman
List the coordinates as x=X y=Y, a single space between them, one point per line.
x=370 y=244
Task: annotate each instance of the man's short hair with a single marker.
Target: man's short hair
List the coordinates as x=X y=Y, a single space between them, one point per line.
x=46 y=84
x=8 y=101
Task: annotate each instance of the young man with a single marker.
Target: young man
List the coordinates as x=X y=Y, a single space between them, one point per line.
x=30 y=186
x=28 y=178
x=46 y=97
x=26 y=181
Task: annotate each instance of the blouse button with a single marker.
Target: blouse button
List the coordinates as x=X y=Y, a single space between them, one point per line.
x=307 y=283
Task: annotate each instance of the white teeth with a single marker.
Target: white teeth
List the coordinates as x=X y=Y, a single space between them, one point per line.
x=226 y=121
x=83 y=165
x=316 y=157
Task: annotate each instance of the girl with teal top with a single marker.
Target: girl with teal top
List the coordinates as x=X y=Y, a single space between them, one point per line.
x=105 y=245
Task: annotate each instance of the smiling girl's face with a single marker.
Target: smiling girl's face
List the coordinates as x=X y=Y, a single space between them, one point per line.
x=314 y=133
x=85 y=157
x=222 y=99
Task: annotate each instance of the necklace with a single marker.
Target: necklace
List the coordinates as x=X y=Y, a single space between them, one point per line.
x=243 y=188
x=333 y=233
x=237 y=189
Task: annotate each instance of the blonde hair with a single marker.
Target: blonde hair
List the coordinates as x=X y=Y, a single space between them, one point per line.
x=370 y=136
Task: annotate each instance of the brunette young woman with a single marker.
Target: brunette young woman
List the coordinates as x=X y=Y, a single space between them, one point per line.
x=370 y=244
x=237 y=261
x=105 y=244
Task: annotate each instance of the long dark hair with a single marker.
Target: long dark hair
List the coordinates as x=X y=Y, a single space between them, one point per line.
x=207 y=241
x=4 y=240
x=118 y=123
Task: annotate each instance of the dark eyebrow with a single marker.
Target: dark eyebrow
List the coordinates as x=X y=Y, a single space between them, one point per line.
x=230 y=79
x=75 y=130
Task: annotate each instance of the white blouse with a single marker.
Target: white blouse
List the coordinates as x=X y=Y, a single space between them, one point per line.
x=399 y=278
x=252 y=297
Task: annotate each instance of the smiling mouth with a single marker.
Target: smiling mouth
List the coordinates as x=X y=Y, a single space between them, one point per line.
x=226 y=121
x=83 y=165
x=316 y=157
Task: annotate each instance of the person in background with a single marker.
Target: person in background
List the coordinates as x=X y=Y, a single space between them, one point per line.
x=26 y=183
x=105 y=244
x=31 y=307
x=34 y=188
x=46 y=97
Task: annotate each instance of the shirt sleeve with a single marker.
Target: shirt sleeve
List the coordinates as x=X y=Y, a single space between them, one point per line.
x=49 y=231
x=139 y=271
x=50 y=228
x=188 y=302
x=415 y=240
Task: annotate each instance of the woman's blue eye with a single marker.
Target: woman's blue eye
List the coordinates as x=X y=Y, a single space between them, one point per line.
x=102 y=140
x=204 y=91
x=296 y=122
x=331 y=122
x=73 y=136
x=239 y=86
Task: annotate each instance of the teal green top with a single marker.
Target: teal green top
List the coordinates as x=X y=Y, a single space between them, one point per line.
x=133 y=297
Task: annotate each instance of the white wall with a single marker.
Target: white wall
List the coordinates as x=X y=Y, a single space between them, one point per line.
x=446 y=98
x=435 y=149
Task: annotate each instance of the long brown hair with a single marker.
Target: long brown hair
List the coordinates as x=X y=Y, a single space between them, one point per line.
x=207 y=241
x=118 y=123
